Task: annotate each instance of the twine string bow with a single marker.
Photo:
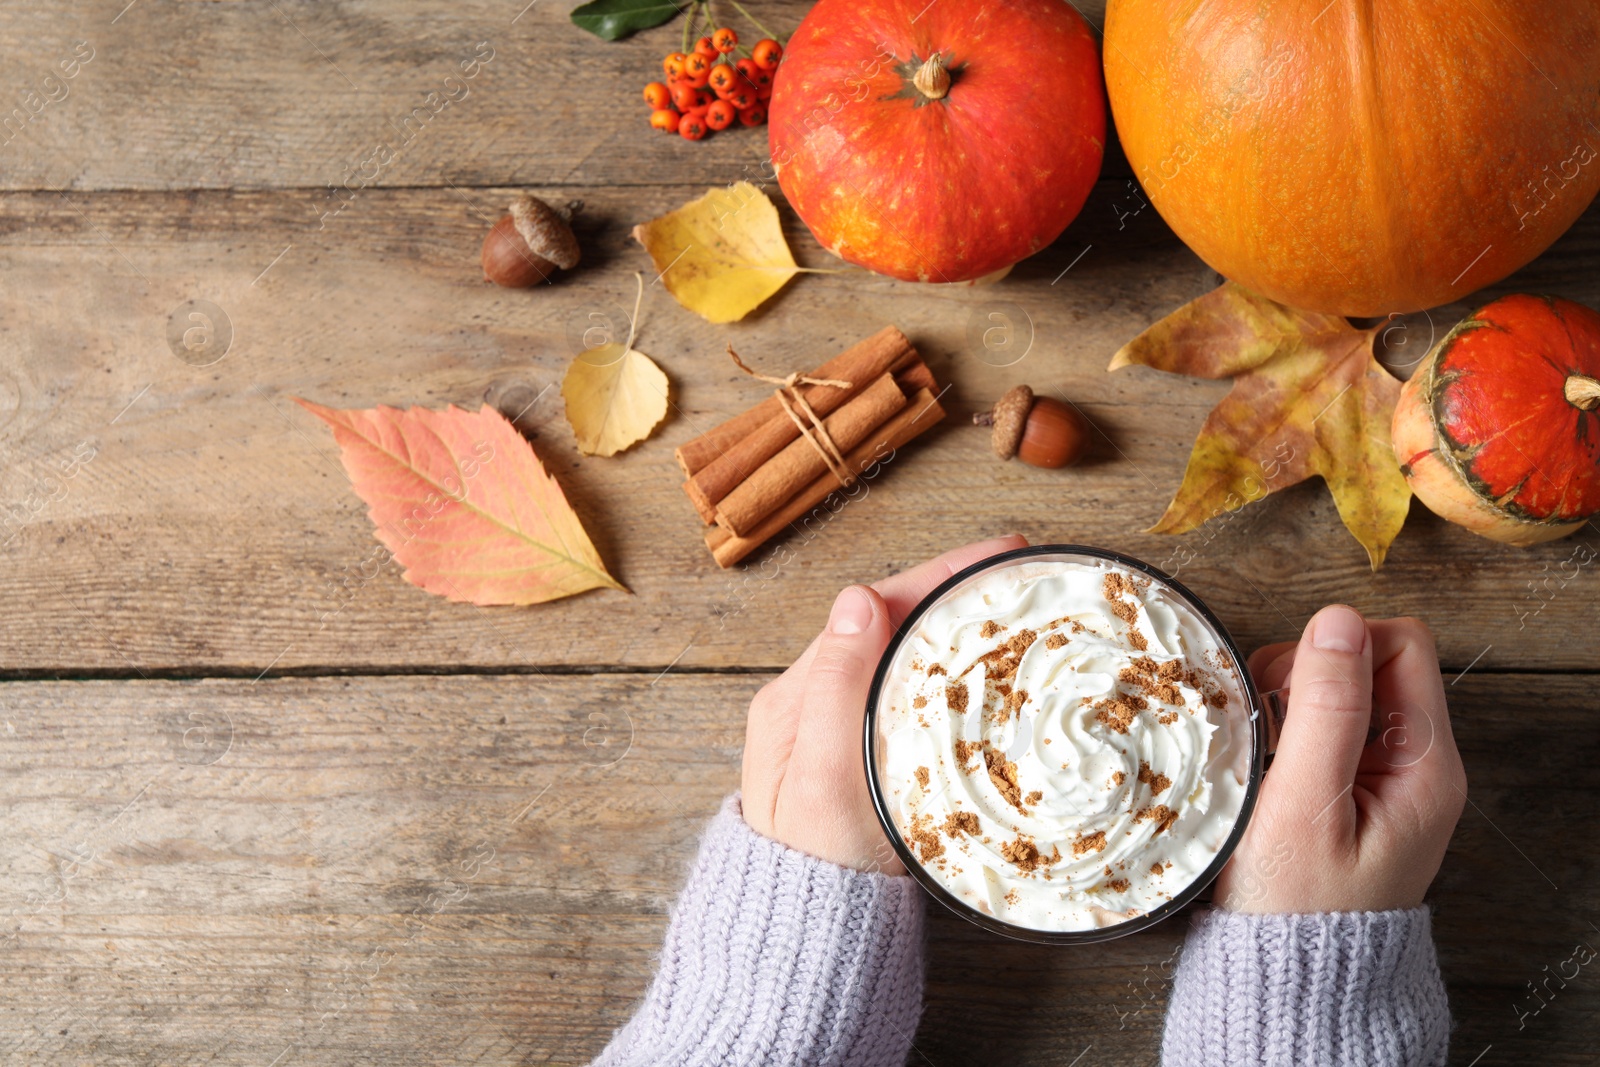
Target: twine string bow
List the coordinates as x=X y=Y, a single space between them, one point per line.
x=789 y=398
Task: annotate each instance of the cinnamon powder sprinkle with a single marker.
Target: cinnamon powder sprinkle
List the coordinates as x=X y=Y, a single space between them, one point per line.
x=1055 y=641
x=1119 y=885
x=965 y=750
x=936 y=669
x=1003 y=773
x=1118 y=777
x=1025 y=854
x=1155 y=869
x=1095 y=842
x=1163 y=815
x=921 y=775
x=990 y=628
x=962 y=822
x=1115 y=714
x=1012 y=705
x=1137 y=639
x=924 y=841
x=1033 y=797
x=919 y=702
x=955 y=696
x=1156 y=782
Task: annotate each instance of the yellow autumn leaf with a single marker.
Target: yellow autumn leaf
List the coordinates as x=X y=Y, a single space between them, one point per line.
x=720 y=255
x=615 y=396
x=1308 y=399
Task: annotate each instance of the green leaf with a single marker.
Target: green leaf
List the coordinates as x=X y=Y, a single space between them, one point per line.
x=612 y=20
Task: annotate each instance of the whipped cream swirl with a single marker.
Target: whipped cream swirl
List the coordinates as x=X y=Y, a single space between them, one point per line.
x=1064 y=745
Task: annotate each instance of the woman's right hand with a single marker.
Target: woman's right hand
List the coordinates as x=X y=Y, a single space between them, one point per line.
x=1344 y=823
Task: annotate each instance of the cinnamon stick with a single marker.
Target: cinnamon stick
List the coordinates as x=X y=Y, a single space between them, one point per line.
x=694 y=454
x=700 y=452
x=801 y=461
x=886 y=350
x=711 y=484
x=914 y=376
x=921 y=411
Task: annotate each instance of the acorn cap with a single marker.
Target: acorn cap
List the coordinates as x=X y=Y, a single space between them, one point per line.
x=1010 y=416
x=545 y=230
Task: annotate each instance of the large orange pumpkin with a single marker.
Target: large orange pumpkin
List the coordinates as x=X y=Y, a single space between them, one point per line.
x=1360 y=158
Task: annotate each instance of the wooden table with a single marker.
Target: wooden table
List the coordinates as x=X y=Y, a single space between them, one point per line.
x=268 y=804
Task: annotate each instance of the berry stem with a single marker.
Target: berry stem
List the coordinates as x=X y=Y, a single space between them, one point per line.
x=1582 y=392
x=688 y=23
x=757 y=22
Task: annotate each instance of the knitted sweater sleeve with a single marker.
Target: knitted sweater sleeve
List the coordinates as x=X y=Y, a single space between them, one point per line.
x=773 y=957
x=1338 y=990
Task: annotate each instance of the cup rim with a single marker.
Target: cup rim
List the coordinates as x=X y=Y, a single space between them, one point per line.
x=880 y=805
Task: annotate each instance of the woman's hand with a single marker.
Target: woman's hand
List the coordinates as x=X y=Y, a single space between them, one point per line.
x=1344 y=823
x=804 y=781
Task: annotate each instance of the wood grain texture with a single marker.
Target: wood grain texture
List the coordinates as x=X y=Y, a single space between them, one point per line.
x=471 y=862
x=299 y=94
x=213 y=527
x=477 y=870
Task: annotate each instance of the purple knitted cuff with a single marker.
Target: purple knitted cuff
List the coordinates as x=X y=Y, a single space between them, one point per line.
x=774 y=957
x=1337 y=989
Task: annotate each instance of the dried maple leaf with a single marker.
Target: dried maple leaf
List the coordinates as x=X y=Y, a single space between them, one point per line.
x=720 y=255
x=615 y=395
x=1308 y=398
x=463 y=503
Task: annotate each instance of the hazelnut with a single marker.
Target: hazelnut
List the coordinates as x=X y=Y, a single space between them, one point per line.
x=528 y=245
x=1039 y=430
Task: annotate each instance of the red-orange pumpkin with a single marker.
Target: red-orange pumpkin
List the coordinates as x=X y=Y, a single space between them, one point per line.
x=942 y=141
x=1499 y=428
x=1360 y=158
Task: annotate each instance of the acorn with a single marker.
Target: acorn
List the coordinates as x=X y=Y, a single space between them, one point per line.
x=1039 y=430
x=528 y=245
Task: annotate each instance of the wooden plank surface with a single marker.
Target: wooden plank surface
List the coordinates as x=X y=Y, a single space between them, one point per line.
x=213 y=527
x=298 y=94
x=476 y=870
x=452 y=834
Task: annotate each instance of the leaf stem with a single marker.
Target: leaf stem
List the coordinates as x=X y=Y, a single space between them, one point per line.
x=740 y=9
x=694 y=5
x=638 y=301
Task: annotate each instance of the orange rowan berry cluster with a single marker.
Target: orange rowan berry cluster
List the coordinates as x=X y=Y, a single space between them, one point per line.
x=708 y=89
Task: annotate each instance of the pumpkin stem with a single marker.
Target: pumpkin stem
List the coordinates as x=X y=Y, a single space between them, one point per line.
x=1582 y=392
x=931 y=79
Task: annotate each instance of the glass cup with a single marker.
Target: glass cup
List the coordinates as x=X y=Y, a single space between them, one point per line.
x=1263 y=717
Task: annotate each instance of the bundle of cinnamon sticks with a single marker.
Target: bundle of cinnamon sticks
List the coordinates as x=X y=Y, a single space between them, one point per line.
x=760 y=471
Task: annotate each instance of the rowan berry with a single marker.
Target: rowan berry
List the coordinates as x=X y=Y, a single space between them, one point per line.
x=753 y=116
x=721 y=115
x=741 y=97
x=685 y=96
x=692 y=127
x=723 y=78
x=696 y=68
x=672 y=65
x=725 y=40
x=706 y=48
x=766 y=53
x=664 y=118
x=657 y=96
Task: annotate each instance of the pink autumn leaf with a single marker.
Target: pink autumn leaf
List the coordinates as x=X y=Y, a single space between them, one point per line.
x=463 y=503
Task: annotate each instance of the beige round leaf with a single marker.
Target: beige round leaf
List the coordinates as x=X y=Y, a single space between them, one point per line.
x=615 y=396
